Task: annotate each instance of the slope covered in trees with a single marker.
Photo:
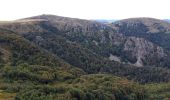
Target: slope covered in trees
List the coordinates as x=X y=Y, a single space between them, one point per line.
x=79 y=55
x=51 y=57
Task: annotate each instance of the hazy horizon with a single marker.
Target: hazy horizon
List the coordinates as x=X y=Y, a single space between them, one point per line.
x=87 y=9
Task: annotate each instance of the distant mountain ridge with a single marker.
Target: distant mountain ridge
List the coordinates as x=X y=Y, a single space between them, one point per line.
x=106 y=20
x=168 y=20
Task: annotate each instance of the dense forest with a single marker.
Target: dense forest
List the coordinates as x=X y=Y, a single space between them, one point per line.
x=50 y=57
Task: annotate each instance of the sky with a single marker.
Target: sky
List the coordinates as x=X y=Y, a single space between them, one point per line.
x=85 y=9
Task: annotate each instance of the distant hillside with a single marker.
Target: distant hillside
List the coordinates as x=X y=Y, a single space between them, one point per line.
x=168 y=20
x=105 y=20
x=152 y=30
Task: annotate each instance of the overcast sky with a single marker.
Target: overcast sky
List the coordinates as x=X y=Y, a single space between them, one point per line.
x=85 y=9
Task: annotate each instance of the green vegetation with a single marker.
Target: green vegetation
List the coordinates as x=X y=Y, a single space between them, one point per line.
x=17 y=50
x=158 y=91
x=92 y=62
x=42 y=82
x=23 y=78
x=51 y=60
x=25 y=82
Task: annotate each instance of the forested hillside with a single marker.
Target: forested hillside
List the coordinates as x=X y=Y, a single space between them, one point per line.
x=58 y=58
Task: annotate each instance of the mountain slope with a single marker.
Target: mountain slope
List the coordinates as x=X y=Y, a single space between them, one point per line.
x=105 y=41
x=154 y=30
x=17 y=50
x=38 y=55
x=94 y=47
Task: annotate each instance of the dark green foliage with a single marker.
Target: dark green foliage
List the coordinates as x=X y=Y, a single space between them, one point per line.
x=106 y=87
x=42 y=82
x=39 y=92
x=140 y=74
x=22 y=51
x=90 y=62
x=71 y=52
x=91 y=87
x=158 y=91
x=40 y=74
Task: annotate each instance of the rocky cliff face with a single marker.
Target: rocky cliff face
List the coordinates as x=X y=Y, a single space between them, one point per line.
x=140 y=49
x=147 y=39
